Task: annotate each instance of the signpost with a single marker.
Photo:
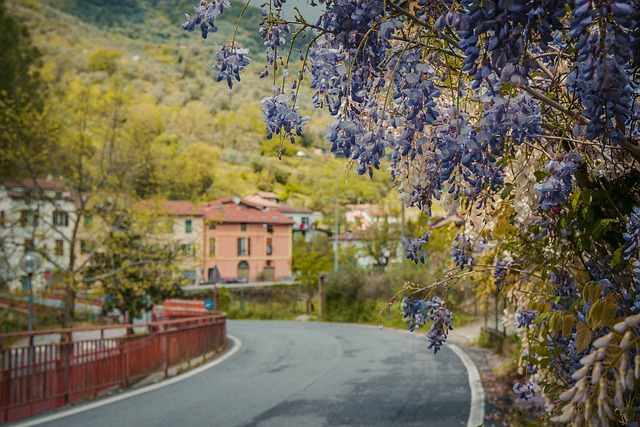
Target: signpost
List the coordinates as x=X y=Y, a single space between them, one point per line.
x=208 y=304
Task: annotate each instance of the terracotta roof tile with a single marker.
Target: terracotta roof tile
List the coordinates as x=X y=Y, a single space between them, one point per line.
x=43 y=184
x=238 y=214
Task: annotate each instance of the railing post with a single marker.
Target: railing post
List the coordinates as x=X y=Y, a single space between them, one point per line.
x=124 y=355
x=165 y=351
x=5 y=365
x=66 y=351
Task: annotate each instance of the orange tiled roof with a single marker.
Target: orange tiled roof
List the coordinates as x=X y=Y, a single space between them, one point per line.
x=29 y=183
x=231 y=213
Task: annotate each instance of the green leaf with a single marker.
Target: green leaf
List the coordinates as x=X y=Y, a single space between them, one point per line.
x=575 y=199
x=617 y=257
x=587 y=214
x=540 y=175
x=506 y=191
x=586 y=197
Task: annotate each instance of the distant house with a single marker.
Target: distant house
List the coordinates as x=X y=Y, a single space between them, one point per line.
x=363 y=216
x=303 y=219
x=34 y=215
x=185 y=228
x=246 y=241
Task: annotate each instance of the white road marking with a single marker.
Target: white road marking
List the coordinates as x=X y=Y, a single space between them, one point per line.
x=476 y=413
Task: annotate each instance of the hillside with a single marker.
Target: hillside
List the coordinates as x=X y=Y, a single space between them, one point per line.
x=199 y=139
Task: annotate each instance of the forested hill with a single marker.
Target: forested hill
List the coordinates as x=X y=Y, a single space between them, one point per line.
x=156 y=20
x=183 y=135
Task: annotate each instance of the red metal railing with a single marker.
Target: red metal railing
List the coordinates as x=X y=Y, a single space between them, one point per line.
x=37 y=377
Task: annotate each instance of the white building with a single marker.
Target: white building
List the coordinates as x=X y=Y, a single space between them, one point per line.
x=34 y=215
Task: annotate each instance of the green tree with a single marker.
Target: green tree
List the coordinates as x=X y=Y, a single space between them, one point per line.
x=105 y=60
x=19 y=62
x=134 y=271
x=27 y=128
x=310 y=259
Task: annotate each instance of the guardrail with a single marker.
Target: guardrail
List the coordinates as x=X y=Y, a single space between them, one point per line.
x=80 y=363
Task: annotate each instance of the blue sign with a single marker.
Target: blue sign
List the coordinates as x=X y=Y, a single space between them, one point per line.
x=208 y=304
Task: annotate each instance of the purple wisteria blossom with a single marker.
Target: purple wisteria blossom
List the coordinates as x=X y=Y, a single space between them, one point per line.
x=556 y=188
x=414 y=248
x=204 y=16
x=524 y=318
x=417 y=312
x=500 y=273
x=525 y=389
x=281 y=116
x=231 y=61
x=632 y=236
x=462 y=252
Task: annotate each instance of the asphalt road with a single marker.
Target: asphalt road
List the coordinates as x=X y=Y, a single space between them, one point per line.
x=302 y=374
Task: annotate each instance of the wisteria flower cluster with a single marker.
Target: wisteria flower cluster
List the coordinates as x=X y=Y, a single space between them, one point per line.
x=414 y=249
x=525 y=389
x=632 y=236
x=554 y=190
x=204 y=16
x=275 y=37
x=282 y=116
x=524 y=318
x=417 y=312
x=230 y=62
x=463 y=252
x=500 y=273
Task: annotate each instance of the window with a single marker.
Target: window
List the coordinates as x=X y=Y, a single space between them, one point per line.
x=60 y=218
x=28 y=218
x=2 y=218
x=59 y=247
x=304 y=225
x=87 y=220
x=86 y=246
x=188 y=226
x=212 y=246
x=244 y=246
x=269 y=246
x=187 y=249
x=243 y=226
x=269 y=228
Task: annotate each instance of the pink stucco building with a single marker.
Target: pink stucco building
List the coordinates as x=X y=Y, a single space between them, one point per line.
x=242 y=240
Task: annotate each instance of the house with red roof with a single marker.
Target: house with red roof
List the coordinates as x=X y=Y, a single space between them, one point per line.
x=247 y=241
x=34 y=215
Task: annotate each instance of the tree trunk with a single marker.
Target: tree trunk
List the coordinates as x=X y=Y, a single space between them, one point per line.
x=68 y=306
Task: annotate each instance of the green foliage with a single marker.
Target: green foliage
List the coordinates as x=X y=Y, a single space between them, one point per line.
x=19 y=59
x=134 y=273
x=105 y=60
x=356 y=295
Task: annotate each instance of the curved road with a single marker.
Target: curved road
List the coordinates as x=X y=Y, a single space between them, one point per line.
x=302 y=374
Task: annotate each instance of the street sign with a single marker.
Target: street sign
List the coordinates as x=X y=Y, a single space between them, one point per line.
x=208 y=304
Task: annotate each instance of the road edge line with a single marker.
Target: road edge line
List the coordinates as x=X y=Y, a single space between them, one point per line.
x=476 y=412
x=237 y=345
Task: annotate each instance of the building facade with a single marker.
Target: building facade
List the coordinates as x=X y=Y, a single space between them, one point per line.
x=185 y=228
x=35 y=215
x=245 y=242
